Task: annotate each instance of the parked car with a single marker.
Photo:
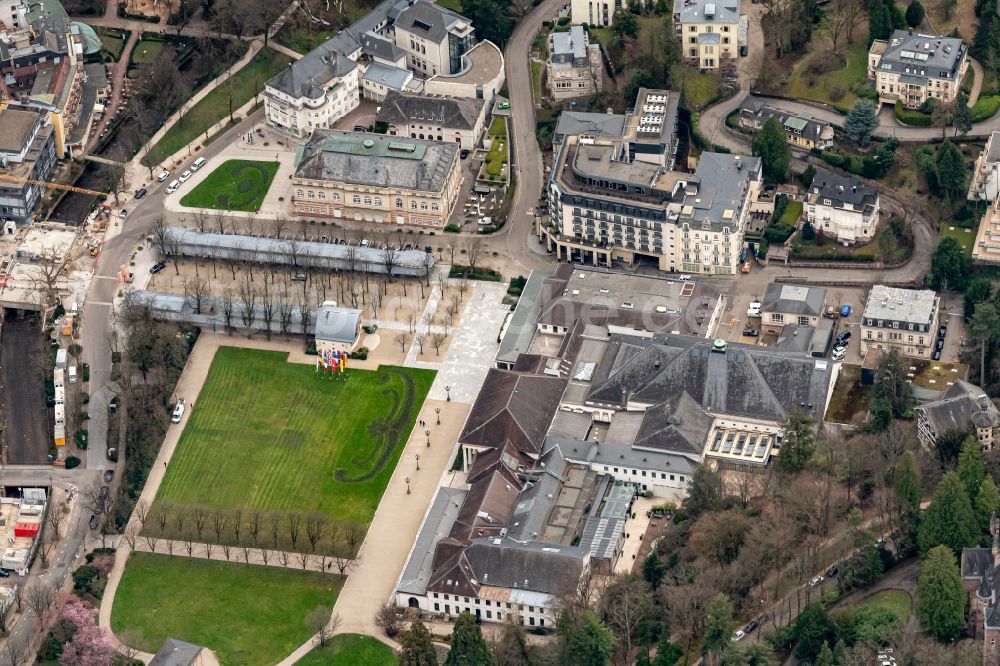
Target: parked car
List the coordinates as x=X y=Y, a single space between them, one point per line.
x=838 y=354
x=738 y=636
x=683 y=278
x=93 y=521
x=198 y=163
x=4 y=573
x=173 y=186
x=464 y=153
x=109 y=475
x=299 y=277
x=157 y=267
x=843 y=338
x=104 y=492
x=140 y=193
x=754 y=309
x=163 y=176
x=942 y=330
x=360 y=129
x=503 y=105
x=751 y=332
x=832 y=571
x=178 y=412
x=939 y=344
x=184 y=177
x=123 y=213
x=845 y=310
x=936 y=355
x=751 y=626
x=815 y=581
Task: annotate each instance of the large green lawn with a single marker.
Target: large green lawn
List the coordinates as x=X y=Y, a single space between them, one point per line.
x=246 y=614
x=896 y=601
x=146 y=51
x=215 y=105
x=235 y=185
x=351 y=650
x=852 y=74
x=268 y=434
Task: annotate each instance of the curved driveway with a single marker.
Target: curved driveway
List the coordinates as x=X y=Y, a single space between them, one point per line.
x=526 y=159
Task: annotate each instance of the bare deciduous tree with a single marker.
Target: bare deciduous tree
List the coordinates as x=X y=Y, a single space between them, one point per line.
x=196 y=289
x=438 y=340
x=39 y=598
x=402 y=339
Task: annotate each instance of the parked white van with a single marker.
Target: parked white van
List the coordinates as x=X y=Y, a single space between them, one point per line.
x=72 y=374
x=198 y=163
x=173 y=186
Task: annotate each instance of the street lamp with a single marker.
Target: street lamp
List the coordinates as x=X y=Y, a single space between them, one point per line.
x=437 y=410
x=407 y=479
x=428 y=433
x=418 y=462
x=447 y=390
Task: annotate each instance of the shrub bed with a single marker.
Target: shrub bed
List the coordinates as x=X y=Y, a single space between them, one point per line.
x=985 y=108
x=911 y=117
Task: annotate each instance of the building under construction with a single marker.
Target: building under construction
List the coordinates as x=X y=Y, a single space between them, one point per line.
x=27 y=153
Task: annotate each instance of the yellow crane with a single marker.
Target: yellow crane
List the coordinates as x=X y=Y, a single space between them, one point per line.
x=50 y=185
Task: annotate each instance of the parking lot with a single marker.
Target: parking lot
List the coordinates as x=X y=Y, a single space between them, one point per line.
x=746 y=289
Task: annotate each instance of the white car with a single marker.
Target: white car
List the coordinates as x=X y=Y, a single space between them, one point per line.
x=163 y=176
x=754 y=309
x=185 y=176
x=815 y=581
x=738 y=636
x=173 y=186
x=838 y=354
x=683 y=278
x=178 y=412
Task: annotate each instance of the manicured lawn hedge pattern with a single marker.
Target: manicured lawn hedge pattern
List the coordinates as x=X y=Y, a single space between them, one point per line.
x=271 y=434
x=235 y=185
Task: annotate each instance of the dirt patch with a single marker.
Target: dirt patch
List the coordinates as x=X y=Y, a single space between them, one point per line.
x=25 y=416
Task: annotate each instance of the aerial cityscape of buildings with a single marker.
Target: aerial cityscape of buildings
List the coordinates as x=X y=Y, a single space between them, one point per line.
x=593 y=331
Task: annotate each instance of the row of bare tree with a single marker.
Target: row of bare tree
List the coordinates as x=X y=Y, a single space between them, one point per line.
x=306 y=531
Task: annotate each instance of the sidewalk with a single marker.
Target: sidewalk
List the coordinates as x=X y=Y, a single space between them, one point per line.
x=396 y=523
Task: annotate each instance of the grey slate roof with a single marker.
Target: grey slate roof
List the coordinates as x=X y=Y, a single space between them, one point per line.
x=521 y=328
x=925 y=56
x=794 y=299
x=843 y=190
x=393 y=78
x=706 y=11
x=810 y=127
x=745 y=381
x=376 y=160
x=531 y=566
x=176 y=653
x=337 y=324
x=440 y=517
x=428 y=20
x=447 y=112
x=960 y=408
x=723 y=180
x=308 y=76
x=378 y=46
x=678 y=424
x=604 y=125
x=569 y=46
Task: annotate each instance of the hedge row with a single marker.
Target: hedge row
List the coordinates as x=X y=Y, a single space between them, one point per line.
x=985 y=108
x=911 y=117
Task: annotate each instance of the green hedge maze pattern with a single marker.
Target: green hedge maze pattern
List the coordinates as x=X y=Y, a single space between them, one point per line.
x=388 y=432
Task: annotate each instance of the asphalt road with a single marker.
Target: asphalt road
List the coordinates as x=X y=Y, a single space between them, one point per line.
x=25 y=416
x=97 y=324
x=526 y=160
